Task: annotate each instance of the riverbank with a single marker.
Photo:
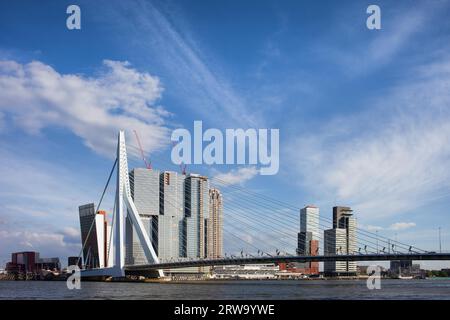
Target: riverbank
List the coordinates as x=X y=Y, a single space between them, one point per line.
x=63 y=277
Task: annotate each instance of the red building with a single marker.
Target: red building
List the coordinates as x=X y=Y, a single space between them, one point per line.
x=314 y=249
x=306 y=268
x=23 y=262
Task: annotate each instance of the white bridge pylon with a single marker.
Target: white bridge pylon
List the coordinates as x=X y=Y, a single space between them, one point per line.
x=124 y=206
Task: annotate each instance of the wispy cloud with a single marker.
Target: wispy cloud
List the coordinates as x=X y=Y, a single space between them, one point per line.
x=389 y=159
x=198 y=80
x=36 y=96
x=372 y=50
x=38 y=191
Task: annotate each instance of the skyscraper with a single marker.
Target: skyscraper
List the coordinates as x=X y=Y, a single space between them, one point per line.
x=196 y=213
x=182 y=216
x=345 y=219
x=309 y=223
x=171 y=215
x=159 y=199
x=341 y=240
x=145 y=191
x=335 y=243
x=308 y=237
x=214 y=225
x=93 y=236
x=338 y=213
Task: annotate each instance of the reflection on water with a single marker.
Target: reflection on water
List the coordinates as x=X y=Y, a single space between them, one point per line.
x=286 y=289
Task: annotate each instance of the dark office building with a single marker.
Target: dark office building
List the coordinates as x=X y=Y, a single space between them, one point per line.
x=73 y=261
x=52 y=264
x=401 y=266
x=339 y=214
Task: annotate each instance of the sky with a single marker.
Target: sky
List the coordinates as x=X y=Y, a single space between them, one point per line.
x=364 y=115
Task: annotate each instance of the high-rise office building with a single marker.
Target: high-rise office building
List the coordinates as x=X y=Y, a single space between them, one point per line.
x=308 y=237
x=196 y=213
x=303 y=243
x=214 y=225
x=182 y=217
x=171 y=215
x=335 y=243
x=309 y=227
x=159 y=199
x=309 y=221
x=93 y=227
x=145 y=191
x=341 y=240
x=344 y=219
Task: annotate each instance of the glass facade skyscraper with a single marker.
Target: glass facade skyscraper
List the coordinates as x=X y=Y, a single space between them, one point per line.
x=171 y=215
x=196 y=213
x=93 y=228
x=308 y=237
x=180 y=213
x=145 y=191
x=309 y=221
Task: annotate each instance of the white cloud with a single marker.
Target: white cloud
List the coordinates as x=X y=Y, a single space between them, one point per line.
x=235 y=176
x=69 y=231
x=390 y=159
x=36 y=96
x=46 y=243
x=71 y=235
x=38 y=195
x=402 y=225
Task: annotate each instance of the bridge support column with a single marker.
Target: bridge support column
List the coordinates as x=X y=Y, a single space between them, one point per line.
x=125 y=206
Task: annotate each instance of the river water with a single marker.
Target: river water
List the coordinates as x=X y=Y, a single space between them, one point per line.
x=242 y=290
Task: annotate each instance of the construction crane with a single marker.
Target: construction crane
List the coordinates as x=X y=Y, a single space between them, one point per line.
x=182 y=165
x=148 y=165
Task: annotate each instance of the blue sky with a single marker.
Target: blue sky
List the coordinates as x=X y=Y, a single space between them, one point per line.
x=363 y=115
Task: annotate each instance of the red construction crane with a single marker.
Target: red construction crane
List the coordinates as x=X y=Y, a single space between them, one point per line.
x=147 y=164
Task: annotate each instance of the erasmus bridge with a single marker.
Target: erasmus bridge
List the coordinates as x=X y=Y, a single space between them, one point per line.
x=254 y=216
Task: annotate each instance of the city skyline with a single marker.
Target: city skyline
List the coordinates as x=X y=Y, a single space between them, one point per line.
x=354 y=129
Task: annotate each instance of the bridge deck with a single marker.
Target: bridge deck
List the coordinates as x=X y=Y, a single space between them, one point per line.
x=267 y=259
